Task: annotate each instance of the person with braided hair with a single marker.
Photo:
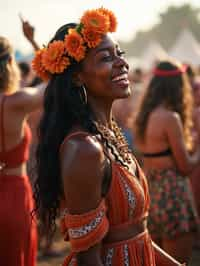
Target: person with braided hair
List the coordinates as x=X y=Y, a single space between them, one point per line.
x=86 y=173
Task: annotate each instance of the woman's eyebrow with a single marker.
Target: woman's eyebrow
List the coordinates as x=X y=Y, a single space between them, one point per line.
x=103 y=49
x=108 y=48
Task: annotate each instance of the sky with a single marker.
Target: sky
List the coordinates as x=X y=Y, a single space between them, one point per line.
x=48 y=15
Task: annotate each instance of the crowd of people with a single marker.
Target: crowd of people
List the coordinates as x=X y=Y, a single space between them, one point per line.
x=113 y=153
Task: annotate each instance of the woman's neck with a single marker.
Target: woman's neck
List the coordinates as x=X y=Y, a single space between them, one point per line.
x=102 y=112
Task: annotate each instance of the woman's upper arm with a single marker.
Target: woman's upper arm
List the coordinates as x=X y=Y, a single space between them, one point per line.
x=27 y=100
x=82 y=171
x=82 y=164
x=176 y=141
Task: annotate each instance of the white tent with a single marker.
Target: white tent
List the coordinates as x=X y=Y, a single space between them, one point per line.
x=153 y=53
x=186 y=48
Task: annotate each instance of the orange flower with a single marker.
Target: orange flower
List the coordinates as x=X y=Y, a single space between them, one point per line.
x=91 y=37
x=54 y=58
x=112 y=18
x=38 y=67
x=74 y=45
x=95 y=21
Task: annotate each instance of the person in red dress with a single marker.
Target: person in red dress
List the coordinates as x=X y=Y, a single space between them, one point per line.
x=18 y=236
x=86 y=173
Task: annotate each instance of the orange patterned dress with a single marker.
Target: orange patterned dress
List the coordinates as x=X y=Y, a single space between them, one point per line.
x=125 y=206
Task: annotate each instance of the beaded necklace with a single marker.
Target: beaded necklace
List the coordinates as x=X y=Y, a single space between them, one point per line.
x=115 y=137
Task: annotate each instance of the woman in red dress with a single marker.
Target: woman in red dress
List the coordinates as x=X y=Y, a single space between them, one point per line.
x=85 y=171
x=18 y=238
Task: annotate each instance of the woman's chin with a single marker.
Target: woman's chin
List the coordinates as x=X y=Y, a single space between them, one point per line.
x=125 y=93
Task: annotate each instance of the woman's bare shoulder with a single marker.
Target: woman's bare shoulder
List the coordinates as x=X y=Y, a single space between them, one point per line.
x=82 y=169
x=81 y=145
x=81 y=152
x=166 y=115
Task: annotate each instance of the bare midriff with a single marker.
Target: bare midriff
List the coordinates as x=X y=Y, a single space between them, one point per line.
x=125 y=232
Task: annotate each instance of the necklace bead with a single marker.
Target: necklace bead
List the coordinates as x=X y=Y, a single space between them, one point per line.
x=115 y=137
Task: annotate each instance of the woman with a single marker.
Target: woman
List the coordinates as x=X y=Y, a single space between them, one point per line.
x=196 y=134
x=18 y=239
x=195 y=174
x=82 y=158
x=162 y=133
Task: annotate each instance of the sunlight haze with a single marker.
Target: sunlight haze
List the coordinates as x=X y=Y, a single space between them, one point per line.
x=47 y=15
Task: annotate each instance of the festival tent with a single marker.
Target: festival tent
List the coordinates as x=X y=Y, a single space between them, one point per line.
x=153 y=53
x=186 y=48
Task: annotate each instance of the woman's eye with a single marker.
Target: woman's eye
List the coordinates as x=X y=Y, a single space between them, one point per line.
x=110 y=57
x=107 y=57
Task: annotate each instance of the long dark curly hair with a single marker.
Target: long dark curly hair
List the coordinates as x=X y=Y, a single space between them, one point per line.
x=64 y=107
x=172 y=91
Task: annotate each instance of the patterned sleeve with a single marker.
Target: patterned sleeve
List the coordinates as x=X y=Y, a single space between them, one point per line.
x=87 y=229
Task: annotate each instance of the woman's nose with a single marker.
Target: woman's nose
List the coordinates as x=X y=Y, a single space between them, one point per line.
x=121 y=61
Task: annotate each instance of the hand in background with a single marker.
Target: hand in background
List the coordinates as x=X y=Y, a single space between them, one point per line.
x=29 y=32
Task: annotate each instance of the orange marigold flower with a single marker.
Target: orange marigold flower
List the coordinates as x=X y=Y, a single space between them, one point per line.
x=74 y=45
x=112 y=18
x=54 y=58
x=38 y=67
x=91 y=37
x=95 y=21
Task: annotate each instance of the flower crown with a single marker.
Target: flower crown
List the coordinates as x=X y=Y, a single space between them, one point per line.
x=55 y=58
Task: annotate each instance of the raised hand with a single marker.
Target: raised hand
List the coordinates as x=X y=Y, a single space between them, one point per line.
x=29 y=31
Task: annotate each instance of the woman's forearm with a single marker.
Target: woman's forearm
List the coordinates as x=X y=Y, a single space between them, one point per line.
x=35 y=45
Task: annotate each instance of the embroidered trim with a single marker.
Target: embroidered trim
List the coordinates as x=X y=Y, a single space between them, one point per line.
x=129 y=193
x=86 y=229
x=109 y=256
x=126 y=255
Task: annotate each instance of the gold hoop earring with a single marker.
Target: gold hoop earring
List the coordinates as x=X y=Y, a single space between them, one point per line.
x=83 y=94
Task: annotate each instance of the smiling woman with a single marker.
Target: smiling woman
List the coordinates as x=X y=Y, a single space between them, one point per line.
x=83 y=159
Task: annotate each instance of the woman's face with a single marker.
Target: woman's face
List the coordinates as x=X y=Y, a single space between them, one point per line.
x=105 y=72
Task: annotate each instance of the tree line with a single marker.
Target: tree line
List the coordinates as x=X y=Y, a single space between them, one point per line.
x=171 y=23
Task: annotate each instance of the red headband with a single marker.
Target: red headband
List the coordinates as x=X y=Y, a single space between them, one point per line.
x=169 y=73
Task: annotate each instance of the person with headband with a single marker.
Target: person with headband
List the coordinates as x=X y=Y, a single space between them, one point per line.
x=18 y=238
x=162 y=128
x=86 y=173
